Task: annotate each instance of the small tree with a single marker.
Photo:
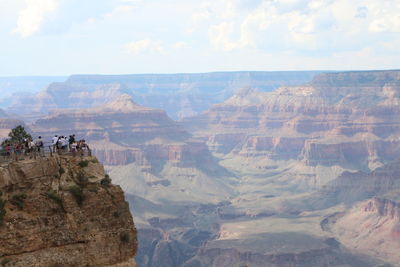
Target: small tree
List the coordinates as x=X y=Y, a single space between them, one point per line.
x=17 y=135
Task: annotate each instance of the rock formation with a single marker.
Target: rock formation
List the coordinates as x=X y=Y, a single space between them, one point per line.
x=122 y=132
x=351 y=187
x=63 y=211
x=372 y=227
x=181 y=95
x=350 y=120
x=254 y=179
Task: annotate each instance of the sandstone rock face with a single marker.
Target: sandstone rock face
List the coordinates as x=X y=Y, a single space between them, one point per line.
x=181 y=95
x=58 y=214
x=121 y=122
x=347 y=119
x=12 y=88
x=351 y=187
x=372 y=227
x=122 y=132
x=250 y=181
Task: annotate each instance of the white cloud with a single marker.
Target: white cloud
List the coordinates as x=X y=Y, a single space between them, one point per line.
x=300 y=25
x=123 y=7
x=221 y=36
x=385 y=16
x=145 y=45
x=181 y=45
x=33 y=15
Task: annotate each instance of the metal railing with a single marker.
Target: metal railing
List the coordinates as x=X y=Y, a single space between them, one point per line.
x=16 y=154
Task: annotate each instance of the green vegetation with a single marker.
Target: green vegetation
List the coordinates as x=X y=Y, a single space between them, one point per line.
x=124 y=237
x=93 y=188
x=106 y=181
x=54 y=196
x=61 y=171
x=4 y=262
x=83 y=180
x=116 y=214
x=83 y=163
x=94 y=161
x=18 y=200
x=2 y=209
x=17 y=135
x=77 y=193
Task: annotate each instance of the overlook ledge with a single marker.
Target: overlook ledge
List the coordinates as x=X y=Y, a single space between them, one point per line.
x=63 y=211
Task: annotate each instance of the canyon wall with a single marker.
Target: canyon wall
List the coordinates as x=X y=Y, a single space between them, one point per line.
x=252 y=179
x=350 y=120
x=62 y=210
x=180 y=95
x=371 y=227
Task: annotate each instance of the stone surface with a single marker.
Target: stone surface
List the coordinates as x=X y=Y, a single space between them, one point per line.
x=181 y=95
x=45 y=225
x=252 y=180
x=350 y=120
x=372 y=227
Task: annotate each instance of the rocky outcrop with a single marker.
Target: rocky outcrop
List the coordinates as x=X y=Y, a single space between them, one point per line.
x=181 y=95
x=63 y=211
x=187 y=154
x=372 y=227
x=121 y=121
x=351 y=187
x=349 y=119
x=122 y=132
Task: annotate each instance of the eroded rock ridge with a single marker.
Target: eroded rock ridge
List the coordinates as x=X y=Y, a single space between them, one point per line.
x=63 y=211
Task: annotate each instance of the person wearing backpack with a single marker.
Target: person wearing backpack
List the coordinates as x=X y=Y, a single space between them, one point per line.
x=39 y=144
x=71 y=140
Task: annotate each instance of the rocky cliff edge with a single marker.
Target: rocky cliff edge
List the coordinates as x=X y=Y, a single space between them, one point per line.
x=63 y=211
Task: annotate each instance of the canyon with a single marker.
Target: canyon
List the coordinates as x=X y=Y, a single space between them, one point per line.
x=275 y=174
x=180 y=95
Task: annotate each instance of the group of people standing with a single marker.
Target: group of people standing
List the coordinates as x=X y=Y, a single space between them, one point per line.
x=68 y=144
x=59 y=144
x=26 y=147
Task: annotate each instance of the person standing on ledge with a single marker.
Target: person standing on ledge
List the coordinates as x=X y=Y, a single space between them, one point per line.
x=54 y=143
x=39 y=144
x=71 y=140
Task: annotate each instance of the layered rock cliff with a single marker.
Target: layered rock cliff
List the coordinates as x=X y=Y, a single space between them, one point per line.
x=181 y=95
x=372 y=227
x=350 y=120
x=119 y=132
x=63 y=211
x=351 y=187
x=257 y=174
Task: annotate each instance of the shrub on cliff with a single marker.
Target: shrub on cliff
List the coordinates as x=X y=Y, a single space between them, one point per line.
x=54 y=196
x=18 y=200
x=4 y=262
x=17 y=135
x=83 y=180
x=77 y=193
x=2 y=209
x=106 y=181
x=83 y=163
x=124 y=237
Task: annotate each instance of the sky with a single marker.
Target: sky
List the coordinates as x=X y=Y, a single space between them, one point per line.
x=63 y=37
